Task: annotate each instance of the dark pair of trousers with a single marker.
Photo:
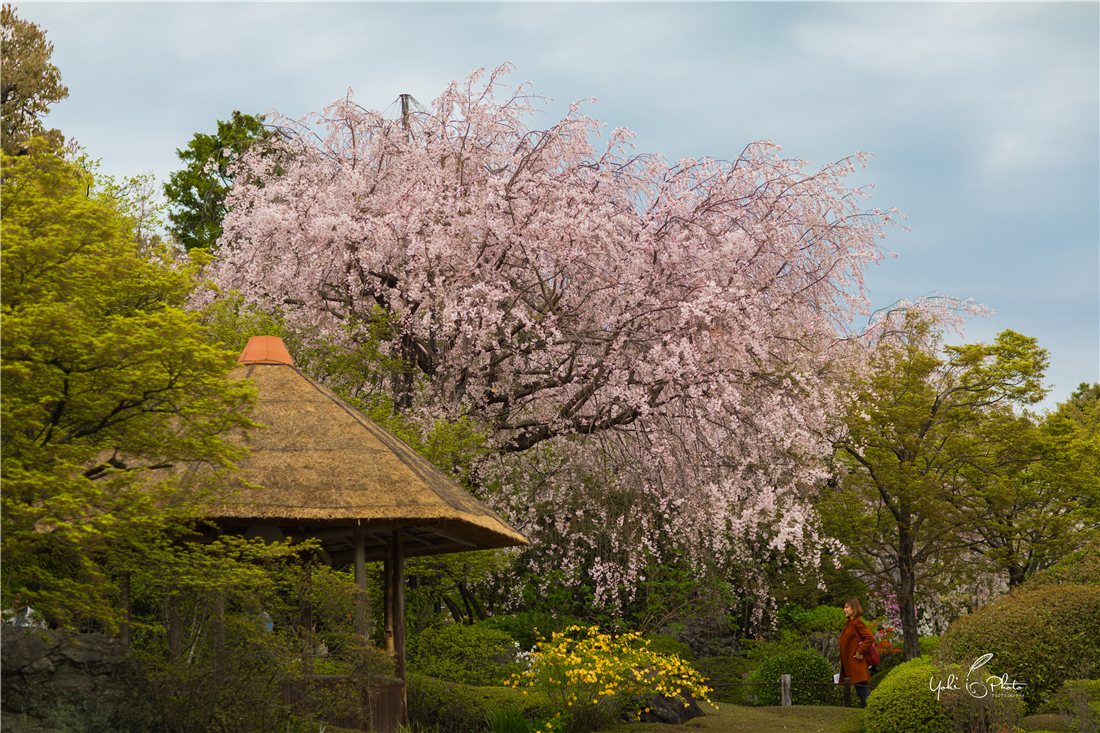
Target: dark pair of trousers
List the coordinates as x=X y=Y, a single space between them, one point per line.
x=863 y=689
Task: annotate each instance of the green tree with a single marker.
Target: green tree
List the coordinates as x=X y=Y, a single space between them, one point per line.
x=104 y=375
x=1032 y=498
x=29 y=83
x=197 y=194
x=920 y=417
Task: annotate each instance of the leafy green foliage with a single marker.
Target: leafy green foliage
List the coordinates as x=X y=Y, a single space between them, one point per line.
x=1078 y=568
x=248 y=624
x=929 y=645
x=592 y=678
x=508 y=719
x=1081 y=699
x=820 y=619
x=724 y=674
x=198 y=192
x=449 y=707
x=1042 y=637
x=471 y=655
x=528 y=628
x=924 y=469
x=802 y=665
x=105 y=376
x=904 y=703
x=668 y=645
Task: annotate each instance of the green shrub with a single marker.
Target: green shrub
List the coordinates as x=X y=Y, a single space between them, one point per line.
x=449 y=707
x=528 y=629
x=928 y=646
x=591 y=679
x=508 y=719
x=1081 y=700
x=664 y=644
x=904 y=703
x=471 y=655
x=976 y=705
x=802 y=665
x=1041 y=636
x=812 y=621
x=724 y=674
x=1079 y=568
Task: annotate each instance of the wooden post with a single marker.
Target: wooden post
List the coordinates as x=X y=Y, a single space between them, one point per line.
x=219 y=636
x=305 y=625
x=359 y=545
x=124 y=627
x=785 y=690
x=175 y=627
x=399 y=618
x=847 y=693
x=387 y=613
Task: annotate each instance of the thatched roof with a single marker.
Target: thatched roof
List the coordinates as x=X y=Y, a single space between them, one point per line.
x=319 y=467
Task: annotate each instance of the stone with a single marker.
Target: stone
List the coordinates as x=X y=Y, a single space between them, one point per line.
x=22 y=647
x=87 y=650
x=41 y=666
x=671 y=710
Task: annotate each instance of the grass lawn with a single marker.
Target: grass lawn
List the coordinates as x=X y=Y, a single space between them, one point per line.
x=740 y=719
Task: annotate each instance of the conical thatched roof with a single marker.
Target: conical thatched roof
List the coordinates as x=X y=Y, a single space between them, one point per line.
x=319 y=467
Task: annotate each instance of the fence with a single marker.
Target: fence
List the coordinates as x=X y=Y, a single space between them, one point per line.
x=785 y=684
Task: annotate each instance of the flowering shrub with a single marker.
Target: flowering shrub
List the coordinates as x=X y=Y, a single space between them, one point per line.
x=884 y=638
x=592 y=678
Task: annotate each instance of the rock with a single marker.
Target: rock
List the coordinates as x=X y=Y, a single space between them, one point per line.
x=87 y=650
x=22 y=647
x=671 y=710
x=41 y=666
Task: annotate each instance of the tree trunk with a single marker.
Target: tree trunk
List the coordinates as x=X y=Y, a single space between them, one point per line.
x=907 y=593
x=456 y=612
x=471 y=602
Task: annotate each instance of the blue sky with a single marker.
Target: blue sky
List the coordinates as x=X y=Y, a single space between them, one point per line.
x=984 y=118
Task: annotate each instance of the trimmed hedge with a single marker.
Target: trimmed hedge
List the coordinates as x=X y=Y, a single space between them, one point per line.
x=803 y=666
x=470 y=655
x=904 y=703
x=1041 y=636
x=448 y=707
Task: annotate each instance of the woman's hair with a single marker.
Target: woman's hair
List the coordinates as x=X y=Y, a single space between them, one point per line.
x=854 y=603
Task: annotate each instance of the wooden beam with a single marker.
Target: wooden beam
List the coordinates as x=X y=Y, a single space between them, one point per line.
x=124 y=627
x=359 y=549
x=399 y=619
x=387 y=611
x=175 y=627
x=219 y=635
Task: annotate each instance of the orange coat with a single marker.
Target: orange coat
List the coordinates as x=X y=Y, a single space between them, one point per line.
x=855 y=637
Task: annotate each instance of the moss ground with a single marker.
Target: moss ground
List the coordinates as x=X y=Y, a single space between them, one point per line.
x=740 y=719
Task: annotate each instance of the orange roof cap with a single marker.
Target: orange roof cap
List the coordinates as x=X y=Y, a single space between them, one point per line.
x=265 y=350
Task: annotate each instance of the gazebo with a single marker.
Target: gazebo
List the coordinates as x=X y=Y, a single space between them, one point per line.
x=321 y=469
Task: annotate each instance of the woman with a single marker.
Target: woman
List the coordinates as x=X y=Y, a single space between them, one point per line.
x=855 y=640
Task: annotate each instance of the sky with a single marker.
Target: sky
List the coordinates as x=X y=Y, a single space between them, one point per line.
x=983 y=118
